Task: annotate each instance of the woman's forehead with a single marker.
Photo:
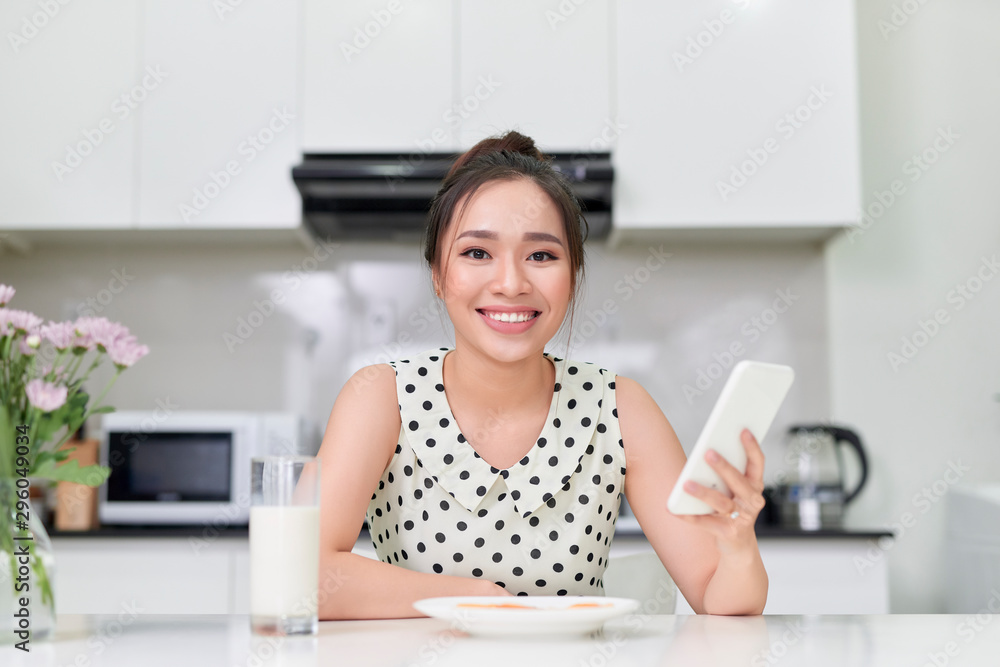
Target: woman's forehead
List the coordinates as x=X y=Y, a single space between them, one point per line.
x=509 y=207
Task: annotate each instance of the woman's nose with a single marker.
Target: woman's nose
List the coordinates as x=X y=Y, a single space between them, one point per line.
x=510 y=278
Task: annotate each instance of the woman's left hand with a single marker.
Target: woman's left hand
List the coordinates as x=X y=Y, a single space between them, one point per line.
x=732 y=524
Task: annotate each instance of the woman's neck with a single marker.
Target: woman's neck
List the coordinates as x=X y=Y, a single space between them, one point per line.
x=510 y=386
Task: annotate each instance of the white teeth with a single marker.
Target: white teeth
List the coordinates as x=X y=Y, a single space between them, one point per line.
x=510 y=317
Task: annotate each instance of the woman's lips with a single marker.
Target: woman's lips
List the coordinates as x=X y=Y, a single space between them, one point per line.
x=508 y=327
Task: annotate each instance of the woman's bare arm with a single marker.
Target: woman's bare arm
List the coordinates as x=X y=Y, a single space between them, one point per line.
x=359 y=442
x=717 y=573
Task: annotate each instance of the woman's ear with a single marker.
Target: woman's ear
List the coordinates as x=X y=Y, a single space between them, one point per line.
x=436 y=281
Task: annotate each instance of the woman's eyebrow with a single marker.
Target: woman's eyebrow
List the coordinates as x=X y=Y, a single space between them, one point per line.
x=493 y=236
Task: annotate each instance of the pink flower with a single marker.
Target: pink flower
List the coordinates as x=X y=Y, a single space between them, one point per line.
x=126 y=351
x=60 y=334
x=45 y=396
x=100 y=330
x=19 y=320
x=6 y=294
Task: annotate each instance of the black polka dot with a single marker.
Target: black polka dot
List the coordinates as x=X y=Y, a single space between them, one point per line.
x=444 y=422
x=524 y=461
x=570 y=442
x=561 y=591
x=574 y=549
x=611 y=385
x=551 y=502
x=615 y=413
x=428 y=483
x=601 y=428
x=542 y=442
x=556 y=422
x=414 y=426
x=428 y=405
x=533 y=521
x=439 y=537
x=515 y=494
x=553 y=535
x=461 y=438
x=608 y=459
x=464 y=474
x=571 y=404
x=445 y=505
x=569 y=517
x=461 y=525
x=408 y=525
x=572 y=370
x=553 y=461
x=517 y=571
x=587 y=386
x=481 y=491
x=579 y=576
x=439 y=387
x=585 y=422
x=422 y=371
x=515 y=539
x=482 y=513
x=434 y=358
x=438 y=568
x=557 y=387
x=477 y=572
x=479 y=542
x=533 y=480
x=420 y=547
x=497 y=557
x=431 y=442
x=540 y=583
x=410 y=389
x=448 y=458
x=499 y=525
x=408 y=470
x=457 y=557
x=536 y=554
x=557 y=567
x=596 y=479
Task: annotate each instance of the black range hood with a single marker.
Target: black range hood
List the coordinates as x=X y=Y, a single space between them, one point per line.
x=373 y=196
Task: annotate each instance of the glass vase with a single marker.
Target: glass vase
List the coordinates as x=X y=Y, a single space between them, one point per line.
x=27 y=566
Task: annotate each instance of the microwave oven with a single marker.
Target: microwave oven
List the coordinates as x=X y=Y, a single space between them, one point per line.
x=190 y=468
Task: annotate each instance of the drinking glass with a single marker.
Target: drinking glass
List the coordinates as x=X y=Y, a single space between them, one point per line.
x=284 y=545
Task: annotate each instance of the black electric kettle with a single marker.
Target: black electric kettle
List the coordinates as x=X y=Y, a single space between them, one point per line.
x=810 y=491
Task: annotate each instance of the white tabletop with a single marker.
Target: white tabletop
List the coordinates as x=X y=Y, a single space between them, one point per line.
x=220 y=640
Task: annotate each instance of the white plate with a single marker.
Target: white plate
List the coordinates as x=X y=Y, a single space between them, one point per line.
x=549 y=614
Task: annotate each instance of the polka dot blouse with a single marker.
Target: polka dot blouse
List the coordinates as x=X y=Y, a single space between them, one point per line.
x=541 y=527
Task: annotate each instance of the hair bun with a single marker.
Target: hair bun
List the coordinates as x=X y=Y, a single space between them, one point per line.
x=512 y=141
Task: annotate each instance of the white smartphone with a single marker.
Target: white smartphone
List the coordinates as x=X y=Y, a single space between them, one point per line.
x=750 y=399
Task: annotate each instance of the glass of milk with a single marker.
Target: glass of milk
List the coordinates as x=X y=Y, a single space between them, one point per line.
x=284 y=545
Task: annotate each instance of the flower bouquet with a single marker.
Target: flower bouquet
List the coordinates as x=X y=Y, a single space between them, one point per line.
x=43 y=368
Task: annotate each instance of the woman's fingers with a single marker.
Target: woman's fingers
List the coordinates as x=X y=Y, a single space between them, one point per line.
x=734 y=479
x=755 y=457
x=719 y=502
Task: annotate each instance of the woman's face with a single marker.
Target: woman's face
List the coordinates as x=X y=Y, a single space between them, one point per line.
x=506 y=270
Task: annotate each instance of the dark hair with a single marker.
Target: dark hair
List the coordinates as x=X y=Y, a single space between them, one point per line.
x=509 y=157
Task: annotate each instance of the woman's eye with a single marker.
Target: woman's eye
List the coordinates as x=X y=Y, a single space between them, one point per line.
x=542 y=256
x=476 y=253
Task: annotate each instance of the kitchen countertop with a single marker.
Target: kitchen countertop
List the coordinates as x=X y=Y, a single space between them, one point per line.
x=763 y=532
x=131 y=638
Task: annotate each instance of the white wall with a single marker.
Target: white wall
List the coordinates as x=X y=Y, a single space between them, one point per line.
x=366 y=303
x=937 y=71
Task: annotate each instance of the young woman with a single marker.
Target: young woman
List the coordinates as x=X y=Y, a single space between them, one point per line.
x=495 y=468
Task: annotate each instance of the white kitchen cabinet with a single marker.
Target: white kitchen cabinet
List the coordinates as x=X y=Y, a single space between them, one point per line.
x=221 y=135
x=72 y=82
x=378 y=75
x=736 y=113
x=206 y=575
x=97 y=575
x=542 y=68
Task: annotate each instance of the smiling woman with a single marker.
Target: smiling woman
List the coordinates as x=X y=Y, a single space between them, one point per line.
x=495 y=468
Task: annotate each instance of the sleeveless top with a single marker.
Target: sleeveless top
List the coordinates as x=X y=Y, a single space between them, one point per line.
x=541 y=527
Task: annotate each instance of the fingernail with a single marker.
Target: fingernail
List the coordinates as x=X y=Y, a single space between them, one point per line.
x=711 y=455
x=689 y=486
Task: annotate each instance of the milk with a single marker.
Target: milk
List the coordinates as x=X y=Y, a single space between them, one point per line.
x=284 y=561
